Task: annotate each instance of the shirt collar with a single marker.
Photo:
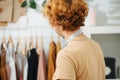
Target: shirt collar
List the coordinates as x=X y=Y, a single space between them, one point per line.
x=72 y=37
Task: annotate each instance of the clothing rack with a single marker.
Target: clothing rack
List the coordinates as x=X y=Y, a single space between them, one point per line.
x=24 y=43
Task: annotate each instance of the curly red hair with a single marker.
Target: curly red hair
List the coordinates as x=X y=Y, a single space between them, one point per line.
x=70 y=14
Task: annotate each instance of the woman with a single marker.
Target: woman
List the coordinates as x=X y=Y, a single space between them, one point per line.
x=81 y=58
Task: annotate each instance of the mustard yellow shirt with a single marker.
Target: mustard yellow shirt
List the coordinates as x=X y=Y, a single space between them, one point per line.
x=81 y=59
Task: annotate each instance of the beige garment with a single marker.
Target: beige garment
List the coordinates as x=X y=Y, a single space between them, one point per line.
x=41 y=75
x=3 y=64
x=8 y=71
x=6 y=10
x=81 y=59
x=51 y=60
x=18 y=11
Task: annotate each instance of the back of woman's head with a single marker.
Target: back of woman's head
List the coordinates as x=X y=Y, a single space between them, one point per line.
x=70 y=14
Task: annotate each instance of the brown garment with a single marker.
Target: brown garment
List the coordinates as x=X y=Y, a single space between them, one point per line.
x=3 y=64
x=2 y=73
x=51 y=60
x=58 y=46
x=16 y=69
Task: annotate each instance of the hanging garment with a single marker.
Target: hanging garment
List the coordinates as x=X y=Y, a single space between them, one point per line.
x=58 y=47
x=32 y=65
x=8 y=68
x=11 y=63
x=7 y=72
x=3 y=65
x=20 y=64
x=16 y=66
x=21 y=72
x=13 y=70
x=42 y=66
x=20 y=61
x=51 y=60
x=25 y=69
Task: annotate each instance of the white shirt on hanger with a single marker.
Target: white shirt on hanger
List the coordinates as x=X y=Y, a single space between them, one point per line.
x=11 y=63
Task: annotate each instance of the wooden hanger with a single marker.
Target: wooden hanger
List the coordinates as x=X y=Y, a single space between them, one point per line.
x=36 y=42
x=28 y=46
x=31 y=43
x=41 y=41
x=23 y=51
x=17 y=45
x=3 y=43
x=11 y=41
x=25 y=46
x=2 y=47
x=21 y=46
x=41 y=38
x=38 y=47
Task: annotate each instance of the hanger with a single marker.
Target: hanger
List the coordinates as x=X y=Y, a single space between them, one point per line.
x=11 y=41
x=41 y=41
x=3 y=42
x=21 y=46
x=31 y=43
x=25 y=46
x=17 y=45
x=36 y=42
x=12 y=44
x=38 y=47
x=2 y=46
x=41 y=38
x=23 y=51
x=39 y=50
x=28 y=46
